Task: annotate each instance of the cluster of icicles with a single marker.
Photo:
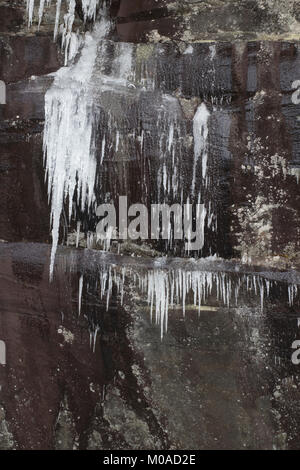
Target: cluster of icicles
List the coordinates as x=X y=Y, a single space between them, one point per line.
x=68 y=151
x=167 y=288
x=70 y=40
x=89 y=8
x=69 y=138
x=70 y=161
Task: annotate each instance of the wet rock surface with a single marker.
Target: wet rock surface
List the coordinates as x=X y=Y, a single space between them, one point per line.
x=243 y=84
x=190 y=20
x=229 y=370
x=219 y=380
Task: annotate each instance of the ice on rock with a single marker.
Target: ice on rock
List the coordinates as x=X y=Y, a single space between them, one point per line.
x=80 y=294
x=69 y=153
x=67 y=34
x=89 y=8
x=30 y=9
x=68 y=136
x=200 y=130
x=165 y=288
x=30 y=4
x=292 y=293
x=58 y=6
x=41 y=11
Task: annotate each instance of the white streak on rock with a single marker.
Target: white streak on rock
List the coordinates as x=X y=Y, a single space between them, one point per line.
x=200 y=131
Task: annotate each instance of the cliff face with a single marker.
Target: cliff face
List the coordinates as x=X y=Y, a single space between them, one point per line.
x=215 y=20
x=243 y=84
x=230 y=369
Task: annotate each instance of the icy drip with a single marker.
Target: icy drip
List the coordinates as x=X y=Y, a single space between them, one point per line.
x=123 y=62
x=80 y=294
x=31 y=6
x=58 y=6
x=167 y=288
x=200 y=134
x=41 y=11
x=170 y=150
x=200 y=131
x=111 y=135
x=296 y=173
x=70 y=40
x=89 y=8
x=29 y=9
x=212 y=71
x=67 y=36
x=69 y=150
x=292 y=293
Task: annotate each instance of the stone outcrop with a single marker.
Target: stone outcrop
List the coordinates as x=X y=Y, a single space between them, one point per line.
x=230 y=369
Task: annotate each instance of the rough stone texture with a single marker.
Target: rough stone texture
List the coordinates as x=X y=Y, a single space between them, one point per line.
x=229 y=370
x=248 y=83
x=223 y=379
x=211 y=20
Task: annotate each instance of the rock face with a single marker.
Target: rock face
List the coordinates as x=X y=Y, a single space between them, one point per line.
x=104 y=379
x=241 y=83
x=212 y=20
x=218 y=381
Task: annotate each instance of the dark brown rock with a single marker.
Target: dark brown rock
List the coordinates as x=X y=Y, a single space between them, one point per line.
x=221 y=380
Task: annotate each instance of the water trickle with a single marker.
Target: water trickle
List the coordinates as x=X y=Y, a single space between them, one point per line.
x=80 y=294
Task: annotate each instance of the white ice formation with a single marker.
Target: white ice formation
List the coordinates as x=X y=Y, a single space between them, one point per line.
x=89 y=8
x=167 y=288
x=68 y=136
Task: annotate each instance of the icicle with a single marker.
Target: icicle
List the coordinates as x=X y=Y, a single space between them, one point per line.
x=292 y=292
x=262 y=294
x=103 y=149
x=89 y=8
x=78 y=234
x=41 y=12
x=58 y=6
x=171 y=137
x=80 y=294
x=67 y=29
x=95 y=338
x=294 y=171
x=30 y=8
x=30 y=11
x=200 y=130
